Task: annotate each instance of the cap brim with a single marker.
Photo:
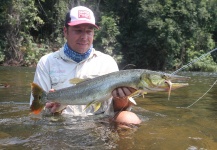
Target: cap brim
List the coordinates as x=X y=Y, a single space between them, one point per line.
x=78 y=22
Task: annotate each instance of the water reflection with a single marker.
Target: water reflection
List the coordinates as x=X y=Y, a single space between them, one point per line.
x=19 y=79
x=167 y=124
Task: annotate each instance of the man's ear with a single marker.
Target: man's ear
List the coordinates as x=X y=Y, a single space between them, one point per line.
x=65 y=31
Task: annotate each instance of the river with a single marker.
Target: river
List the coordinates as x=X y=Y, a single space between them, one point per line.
x=167 y=124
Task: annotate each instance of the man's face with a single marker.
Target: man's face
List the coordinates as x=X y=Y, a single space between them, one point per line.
x=80 y=37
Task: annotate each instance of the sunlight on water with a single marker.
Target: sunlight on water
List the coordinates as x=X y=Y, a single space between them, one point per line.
x=167 y=124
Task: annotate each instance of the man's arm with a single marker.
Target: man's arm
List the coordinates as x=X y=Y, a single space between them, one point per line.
x=120 y=99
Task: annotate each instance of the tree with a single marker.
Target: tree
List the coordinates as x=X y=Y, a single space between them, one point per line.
x=21 y=18
x=160 y=34
x=152 y=34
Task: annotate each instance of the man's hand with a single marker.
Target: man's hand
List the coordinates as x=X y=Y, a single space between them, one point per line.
x=120 y=99
x=54 y=107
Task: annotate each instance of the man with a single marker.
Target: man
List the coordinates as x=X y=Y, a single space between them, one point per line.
x=78 y=59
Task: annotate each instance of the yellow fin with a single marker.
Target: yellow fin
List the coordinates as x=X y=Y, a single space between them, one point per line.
x=137 y=93
x=143 y=93
x=77 y=80
x=88 y=105
x=97 y=106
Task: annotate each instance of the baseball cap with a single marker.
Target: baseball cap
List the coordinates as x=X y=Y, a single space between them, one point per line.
x=80 y=15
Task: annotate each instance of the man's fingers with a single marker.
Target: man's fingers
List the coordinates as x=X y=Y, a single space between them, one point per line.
x=49 y=105
x=115 y=93
x=132 y=90
x=126 y=91
x=51 y=90
x=123 y=91
x=52 y=106
x=120 y=92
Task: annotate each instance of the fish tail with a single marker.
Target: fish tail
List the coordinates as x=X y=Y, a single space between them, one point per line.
x=38 y=102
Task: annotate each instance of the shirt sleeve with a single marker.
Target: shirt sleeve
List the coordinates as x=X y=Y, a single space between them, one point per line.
x=41 y=76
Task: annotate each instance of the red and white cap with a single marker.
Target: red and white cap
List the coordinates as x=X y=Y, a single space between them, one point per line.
x=81 y=15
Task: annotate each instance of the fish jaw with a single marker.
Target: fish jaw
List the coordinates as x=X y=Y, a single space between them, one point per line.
x=175 y=86
x=161 y=82
x=176 y=82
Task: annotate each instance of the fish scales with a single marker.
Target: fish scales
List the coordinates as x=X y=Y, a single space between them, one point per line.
x=100 y=88
x=93 y=89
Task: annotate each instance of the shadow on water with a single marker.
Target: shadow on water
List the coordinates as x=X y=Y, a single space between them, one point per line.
x=166 y=123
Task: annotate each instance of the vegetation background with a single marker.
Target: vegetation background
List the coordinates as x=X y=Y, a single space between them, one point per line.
x=151 y=34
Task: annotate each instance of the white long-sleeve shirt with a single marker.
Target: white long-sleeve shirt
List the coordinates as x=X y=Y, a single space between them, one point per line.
x=54 y=71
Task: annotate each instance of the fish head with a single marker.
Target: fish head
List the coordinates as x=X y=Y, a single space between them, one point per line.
x=153 y=82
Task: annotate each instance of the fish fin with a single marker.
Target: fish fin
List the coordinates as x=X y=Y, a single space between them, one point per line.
x=97 y=106
x=134 y=94
x=132 y=100
x=143 y=94
x=38 y=94
x=61 y=108
x=88 y=105
x=137 y=93
x=77 y=80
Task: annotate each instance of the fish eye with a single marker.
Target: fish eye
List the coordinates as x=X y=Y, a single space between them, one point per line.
x=140 y=88
x=164 y=76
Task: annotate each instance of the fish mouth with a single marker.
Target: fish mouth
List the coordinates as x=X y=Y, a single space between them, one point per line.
x=162 y=82
x=175 y=82
x=176 y=78
x=175 y=85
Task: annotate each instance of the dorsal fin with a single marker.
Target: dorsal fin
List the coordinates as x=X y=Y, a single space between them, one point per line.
x=77 y=80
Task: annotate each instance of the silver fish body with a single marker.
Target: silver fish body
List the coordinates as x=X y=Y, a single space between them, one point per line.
x=100 y=88
x=96 y=89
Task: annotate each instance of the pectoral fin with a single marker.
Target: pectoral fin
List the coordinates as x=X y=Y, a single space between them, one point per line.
x=132 y=100
x=88 y=105
x=96 y=105
x=138 y=93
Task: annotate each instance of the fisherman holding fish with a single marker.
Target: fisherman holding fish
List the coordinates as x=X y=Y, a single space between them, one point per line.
x=77 y=59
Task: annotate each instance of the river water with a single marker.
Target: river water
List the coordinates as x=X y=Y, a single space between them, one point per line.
x=167 y=124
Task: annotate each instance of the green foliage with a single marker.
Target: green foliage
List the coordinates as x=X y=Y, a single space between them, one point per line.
x=33 y=52
x=53 y=14
x=205 y=64
x=3 y=16
x=153 y=34
x=177 y=26
x=2 y=49
x=21 y=18
x=156 y=34
x=106 y=37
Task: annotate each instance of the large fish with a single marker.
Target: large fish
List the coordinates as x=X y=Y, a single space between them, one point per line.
x=96 y=90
